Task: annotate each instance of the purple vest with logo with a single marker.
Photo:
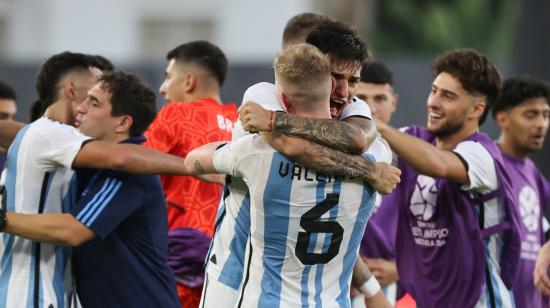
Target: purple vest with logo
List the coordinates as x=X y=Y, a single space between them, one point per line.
x=439 y=243
x=533 y=197
x=379 y=238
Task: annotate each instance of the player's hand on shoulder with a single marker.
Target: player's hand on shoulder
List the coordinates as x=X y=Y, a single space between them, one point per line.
x=254 y=118
x=386 y=178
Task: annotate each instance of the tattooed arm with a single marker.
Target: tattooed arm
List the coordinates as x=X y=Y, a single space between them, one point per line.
x=353 y=135
x=382 y=177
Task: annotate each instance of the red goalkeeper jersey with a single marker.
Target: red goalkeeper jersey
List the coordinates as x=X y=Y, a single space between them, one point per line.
x=179 y=128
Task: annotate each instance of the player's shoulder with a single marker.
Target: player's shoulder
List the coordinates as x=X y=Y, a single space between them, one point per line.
x=260 y=87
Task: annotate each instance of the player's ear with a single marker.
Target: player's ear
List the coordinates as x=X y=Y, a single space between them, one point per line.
x=190 y=82
x=124 y=124
x=286 y=101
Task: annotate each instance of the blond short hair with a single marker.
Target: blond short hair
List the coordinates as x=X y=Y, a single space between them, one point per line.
x=303 y=73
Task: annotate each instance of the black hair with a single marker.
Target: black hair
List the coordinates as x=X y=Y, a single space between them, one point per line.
x=204 y=54
x=378 y=73
x=340 y=42
x=7 y=92
x=53 y=70
x=131 y=96
x=517 y=90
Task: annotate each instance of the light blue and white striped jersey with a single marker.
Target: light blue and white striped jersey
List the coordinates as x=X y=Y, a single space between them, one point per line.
x=306 y=227
x=38 y=179
x=225 y=260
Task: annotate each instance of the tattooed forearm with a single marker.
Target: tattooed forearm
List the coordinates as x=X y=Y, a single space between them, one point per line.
x=330 y=161
x=331 y=133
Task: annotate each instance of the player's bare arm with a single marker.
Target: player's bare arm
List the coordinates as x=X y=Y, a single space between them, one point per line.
x=130 y=158
x=423 y=156
x=352 y=136
x=58 y=229
x=385 y=271
x=383 y=177
x=200 y=160
x=8 y=131
x=362 y=274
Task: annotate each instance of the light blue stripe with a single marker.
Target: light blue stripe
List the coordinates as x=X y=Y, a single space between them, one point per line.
x=11 y=176
x=494 y=283
x=92 y=205
x=61 y=259
x=232 y=272
x=328 y=238
x=367 y=205
x=319 y=197
x=115 y=189
x=276 y=208
x=99 y=194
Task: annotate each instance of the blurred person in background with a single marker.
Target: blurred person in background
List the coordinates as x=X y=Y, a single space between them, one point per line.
x=522 y=113
x=8 y=109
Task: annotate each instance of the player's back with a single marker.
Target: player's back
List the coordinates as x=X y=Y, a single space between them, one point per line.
x=305 y=230
x=179 y=128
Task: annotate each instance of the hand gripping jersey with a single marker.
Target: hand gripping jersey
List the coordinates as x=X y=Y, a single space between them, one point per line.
x=529 y=189
x=456 y=246
x=305 y=227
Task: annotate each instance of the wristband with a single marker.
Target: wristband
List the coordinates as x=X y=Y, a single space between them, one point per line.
x=371 y=287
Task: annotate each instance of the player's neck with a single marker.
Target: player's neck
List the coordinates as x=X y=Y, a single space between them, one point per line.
x=450 y=142
x=61 y=111
x=199 y=95
x=508 y=147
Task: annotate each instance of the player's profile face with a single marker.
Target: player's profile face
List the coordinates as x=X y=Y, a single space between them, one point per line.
x=526 y=124
x=448 y=106
x=172 y=87
x=8 y=109
x=346 y=79
x=94 y=117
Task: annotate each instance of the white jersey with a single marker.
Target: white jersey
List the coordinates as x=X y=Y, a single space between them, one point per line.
x=37 y=180
x=483 y=179
x=225 y=261
x=305 y=235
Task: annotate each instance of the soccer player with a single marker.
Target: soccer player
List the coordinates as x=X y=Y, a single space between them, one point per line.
x=347 y=52
x=457 y=229
x=522 y=113
x=294 y=256
x=37 y=178
x=193 y=116
x=118 y=226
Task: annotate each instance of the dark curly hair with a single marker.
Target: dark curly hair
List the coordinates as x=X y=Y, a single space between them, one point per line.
x=476 y=73
x=205 y=54
x=516 y=90
x=53 y=70
x=340 y=42
x=131 y=96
